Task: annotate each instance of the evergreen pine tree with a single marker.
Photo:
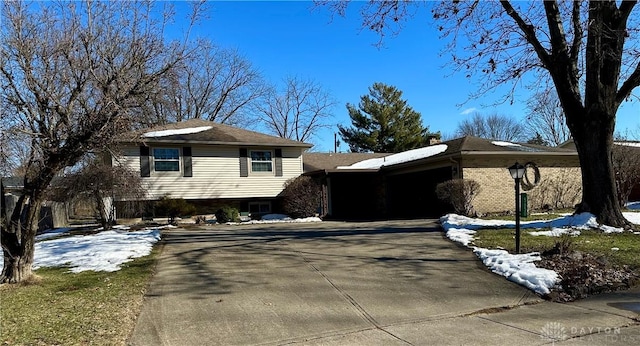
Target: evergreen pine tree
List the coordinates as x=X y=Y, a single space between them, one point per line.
x=383 y=122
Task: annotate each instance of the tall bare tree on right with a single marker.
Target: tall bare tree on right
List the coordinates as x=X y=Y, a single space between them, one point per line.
x=587 y=49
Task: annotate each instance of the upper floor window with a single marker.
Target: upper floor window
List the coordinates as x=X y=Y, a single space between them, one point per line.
x=166 y=159
x=261 y=161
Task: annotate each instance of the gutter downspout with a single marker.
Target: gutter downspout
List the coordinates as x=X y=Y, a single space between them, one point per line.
x=456 y=173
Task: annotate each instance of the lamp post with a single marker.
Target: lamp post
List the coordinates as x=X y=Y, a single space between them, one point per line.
x=517 y=172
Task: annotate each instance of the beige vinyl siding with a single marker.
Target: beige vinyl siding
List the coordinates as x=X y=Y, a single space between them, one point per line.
x=216 y=174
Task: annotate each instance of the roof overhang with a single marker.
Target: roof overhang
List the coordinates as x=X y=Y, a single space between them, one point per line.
x=241 y=144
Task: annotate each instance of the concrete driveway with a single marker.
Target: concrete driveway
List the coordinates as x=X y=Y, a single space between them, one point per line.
x=329 y=283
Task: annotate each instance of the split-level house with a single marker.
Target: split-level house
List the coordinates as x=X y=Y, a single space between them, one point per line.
x=212 y=165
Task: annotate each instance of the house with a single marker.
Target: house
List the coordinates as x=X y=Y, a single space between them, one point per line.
x=403 y=185
x=212 y=165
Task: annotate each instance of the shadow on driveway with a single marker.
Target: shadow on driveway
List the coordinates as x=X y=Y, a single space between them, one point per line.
x=274 y=283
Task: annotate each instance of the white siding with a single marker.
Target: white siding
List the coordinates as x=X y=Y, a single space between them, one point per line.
x=216 y=174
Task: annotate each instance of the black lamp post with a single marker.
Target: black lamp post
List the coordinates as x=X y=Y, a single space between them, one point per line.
x=517 y=172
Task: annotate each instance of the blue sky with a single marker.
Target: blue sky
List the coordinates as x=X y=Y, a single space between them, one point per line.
x=292 y=38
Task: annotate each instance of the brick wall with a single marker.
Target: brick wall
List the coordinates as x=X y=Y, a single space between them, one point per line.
x=559 y=185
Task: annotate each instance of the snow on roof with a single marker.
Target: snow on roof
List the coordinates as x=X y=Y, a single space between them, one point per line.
x=394 y=159
x=516 y=146
x=628 y=144
x=505 y=144
x=186 y=131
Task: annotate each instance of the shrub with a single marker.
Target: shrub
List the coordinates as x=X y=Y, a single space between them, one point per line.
x=560 y=190
x=227 y=214
x=301 y=197
x=173 y=207
x=460 y=194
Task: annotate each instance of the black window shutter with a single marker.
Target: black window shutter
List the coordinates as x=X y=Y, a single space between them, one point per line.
x=244 y=163
x=145 y=168
x=278 y=162
x=186 y=162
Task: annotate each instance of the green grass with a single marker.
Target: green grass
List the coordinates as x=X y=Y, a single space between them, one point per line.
x=63 y=308
x=591 y=241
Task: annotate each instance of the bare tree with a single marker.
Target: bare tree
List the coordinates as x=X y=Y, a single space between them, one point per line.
x=626 y=163
x=493 y=126
x=298 y=110
x=587 y=49
x=546 y=118
x=73 y=76
x=99 y=184
x=212 y=83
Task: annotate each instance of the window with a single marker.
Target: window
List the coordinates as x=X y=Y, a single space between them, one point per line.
x=261 y=161
x=259 y=208
x=166 y=159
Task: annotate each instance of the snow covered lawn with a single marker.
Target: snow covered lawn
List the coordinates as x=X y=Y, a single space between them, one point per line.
x=102 y=251
x=520 y=268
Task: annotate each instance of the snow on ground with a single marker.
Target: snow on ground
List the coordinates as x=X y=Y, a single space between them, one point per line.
x=279 y=218
x=555 y=226
x=177 y=131
x=405 y=156
x=520 y=268
x=102 y=251
x=53 y=233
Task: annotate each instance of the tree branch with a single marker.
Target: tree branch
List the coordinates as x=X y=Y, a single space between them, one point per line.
x=626 y=7
x=577 y=32
x=632 y=82
x=559 y=47
x=529 y=33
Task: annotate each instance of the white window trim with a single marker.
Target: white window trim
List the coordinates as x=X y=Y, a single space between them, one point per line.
x=272 y=172
x=153 y=162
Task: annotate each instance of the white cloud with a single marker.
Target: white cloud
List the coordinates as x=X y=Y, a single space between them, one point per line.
x=469 y=111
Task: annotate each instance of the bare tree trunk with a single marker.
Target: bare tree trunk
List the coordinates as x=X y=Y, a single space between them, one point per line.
x=18 y=240
x=105 y=217
x=599 y=194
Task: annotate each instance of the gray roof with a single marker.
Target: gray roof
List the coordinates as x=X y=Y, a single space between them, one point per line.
x=325 y=161
x=471 y=144
x=467 y=145
x=13 y=182
x=218 y=134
